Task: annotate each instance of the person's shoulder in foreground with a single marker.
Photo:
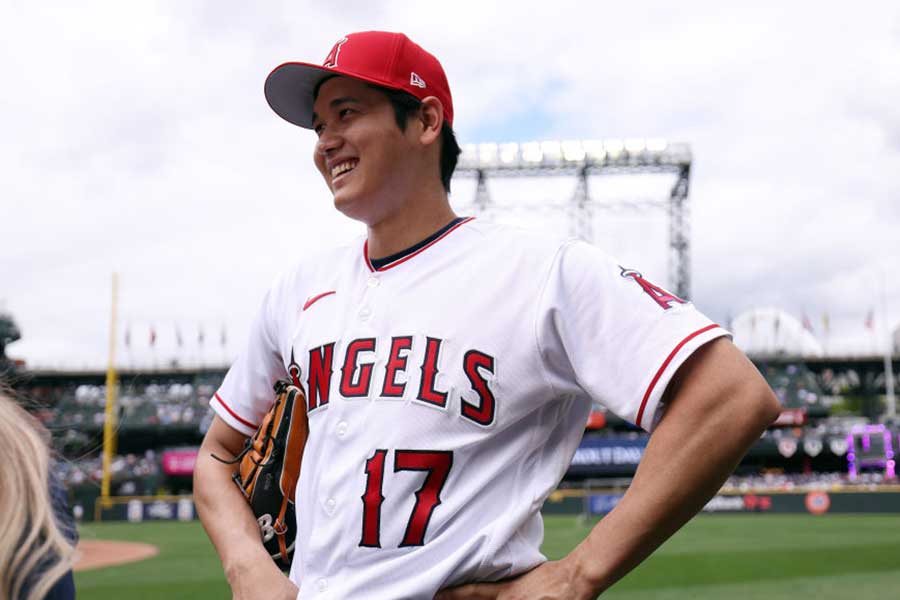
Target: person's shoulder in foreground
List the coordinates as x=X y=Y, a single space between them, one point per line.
x=38 y=537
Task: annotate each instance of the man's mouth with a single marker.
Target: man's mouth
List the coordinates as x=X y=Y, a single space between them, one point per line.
x=343 y=167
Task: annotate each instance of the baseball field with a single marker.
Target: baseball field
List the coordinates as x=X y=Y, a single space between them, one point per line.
x=751 y=557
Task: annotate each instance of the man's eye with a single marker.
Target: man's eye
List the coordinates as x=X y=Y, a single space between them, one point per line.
x=344 y=112
x=318 y=129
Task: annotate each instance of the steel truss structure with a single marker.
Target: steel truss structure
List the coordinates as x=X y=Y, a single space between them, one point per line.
x=582 y=160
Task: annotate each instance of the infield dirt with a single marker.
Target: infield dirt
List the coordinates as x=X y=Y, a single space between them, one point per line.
x=95 y=554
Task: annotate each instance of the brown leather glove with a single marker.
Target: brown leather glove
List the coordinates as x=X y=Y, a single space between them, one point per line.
x=270 y=467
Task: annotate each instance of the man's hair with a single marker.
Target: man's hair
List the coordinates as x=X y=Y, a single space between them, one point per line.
x=405 y=106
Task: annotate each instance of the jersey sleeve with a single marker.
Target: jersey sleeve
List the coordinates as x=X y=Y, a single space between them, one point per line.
x=614 y=335
x=246 y=393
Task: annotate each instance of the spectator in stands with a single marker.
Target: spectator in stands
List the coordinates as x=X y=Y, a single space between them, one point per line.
x=36 y=547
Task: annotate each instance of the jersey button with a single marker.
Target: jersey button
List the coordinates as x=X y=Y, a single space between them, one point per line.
x=365 y=313
x=373 y=282
x=322 y=584
x=341 y=429
x=330 y=505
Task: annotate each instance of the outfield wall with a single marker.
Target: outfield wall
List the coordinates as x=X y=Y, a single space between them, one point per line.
x=137 y=509
x=817 y=502
x=181 y=508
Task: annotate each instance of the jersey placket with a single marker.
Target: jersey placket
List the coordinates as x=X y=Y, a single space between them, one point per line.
x=335 y=498
x=373 y=282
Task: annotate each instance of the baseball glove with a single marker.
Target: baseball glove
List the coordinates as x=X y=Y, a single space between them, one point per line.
x=269 y=469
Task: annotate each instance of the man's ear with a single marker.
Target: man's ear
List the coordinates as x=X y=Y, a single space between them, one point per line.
x=431 y=116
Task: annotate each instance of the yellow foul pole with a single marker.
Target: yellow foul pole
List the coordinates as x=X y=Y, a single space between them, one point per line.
x=109 y=425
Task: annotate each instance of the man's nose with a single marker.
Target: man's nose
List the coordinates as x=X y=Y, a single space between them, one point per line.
x=328 y=142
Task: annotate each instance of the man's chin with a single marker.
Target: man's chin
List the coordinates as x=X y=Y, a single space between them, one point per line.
x=341 y=200
x=349 y=206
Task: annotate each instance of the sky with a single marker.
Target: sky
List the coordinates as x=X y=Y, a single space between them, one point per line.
x=136 y=140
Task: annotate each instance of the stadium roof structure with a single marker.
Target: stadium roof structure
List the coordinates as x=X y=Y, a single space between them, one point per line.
x=582 y=159
x=542 y=158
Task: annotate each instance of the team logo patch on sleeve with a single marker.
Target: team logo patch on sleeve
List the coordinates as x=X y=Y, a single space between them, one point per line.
x=659 y=295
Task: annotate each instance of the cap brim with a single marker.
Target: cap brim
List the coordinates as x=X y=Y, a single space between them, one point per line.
x=289 y=91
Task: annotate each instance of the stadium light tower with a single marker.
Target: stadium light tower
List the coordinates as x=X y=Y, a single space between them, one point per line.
x=582 y=159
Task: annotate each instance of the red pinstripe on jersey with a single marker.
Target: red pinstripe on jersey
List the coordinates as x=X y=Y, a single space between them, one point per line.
x=417 y=252
x=232 y=413
x=665 y=364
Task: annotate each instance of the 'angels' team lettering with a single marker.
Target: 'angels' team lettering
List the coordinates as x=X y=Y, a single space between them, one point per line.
x=356 y=371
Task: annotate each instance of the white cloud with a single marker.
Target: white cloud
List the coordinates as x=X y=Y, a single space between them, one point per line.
x=136 y=139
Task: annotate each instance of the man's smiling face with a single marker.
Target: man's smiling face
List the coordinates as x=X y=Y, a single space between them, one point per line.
x=367 y=161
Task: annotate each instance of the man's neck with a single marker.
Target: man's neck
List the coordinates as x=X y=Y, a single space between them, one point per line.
x=408 y=227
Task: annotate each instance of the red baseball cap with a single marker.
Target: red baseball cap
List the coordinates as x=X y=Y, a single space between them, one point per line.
x=387 y=59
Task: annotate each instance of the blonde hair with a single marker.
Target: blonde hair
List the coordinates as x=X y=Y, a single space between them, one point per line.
x=33 y=550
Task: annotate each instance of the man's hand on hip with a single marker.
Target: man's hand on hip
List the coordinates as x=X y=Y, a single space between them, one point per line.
x=556 y=580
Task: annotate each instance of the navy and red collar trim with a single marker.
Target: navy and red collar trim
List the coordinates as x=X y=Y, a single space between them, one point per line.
x=389 y=262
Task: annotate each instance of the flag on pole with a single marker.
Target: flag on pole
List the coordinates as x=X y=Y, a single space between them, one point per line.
x=870 y=320
x=807 y=324
x=224 y=337
x=826 y=323
x=152 y=336
x=200 y=335
x=178 y=339
x=128 y=336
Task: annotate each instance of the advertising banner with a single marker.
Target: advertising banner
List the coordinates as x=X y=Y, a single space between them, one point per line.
x=179 y=462
x=138 y=510
x=739 y=503
x=814 y=503
x=599 y=455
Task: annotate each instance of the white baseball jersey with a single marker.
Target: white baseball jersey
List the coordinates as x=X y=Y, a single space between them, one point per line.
x=447 y=393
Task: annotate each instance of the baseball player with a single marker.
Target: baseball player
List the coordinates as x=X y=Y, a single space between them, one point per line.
x=449 y=366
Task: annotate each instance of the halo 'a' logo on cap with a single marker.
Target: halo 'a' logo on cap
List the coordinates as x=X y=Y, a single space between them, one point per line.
x=331 y=61
x=415 y=80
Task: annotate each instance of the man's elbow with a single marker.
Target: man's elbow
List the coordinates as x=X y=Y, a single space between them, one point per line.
x=760 y=406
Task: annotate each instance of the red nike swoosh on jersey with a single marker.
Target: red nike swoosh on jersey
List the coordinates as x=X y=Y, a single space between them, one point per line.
x=313 y=299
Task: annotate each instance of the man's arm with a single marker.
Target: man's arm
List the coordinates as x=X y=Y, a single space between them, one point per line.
x=717 y=406
x=230 y=523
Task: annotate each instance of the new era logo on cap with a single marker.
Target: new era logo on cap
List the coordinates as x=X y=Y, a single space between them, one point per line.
x=416 y=80
x=382 y=58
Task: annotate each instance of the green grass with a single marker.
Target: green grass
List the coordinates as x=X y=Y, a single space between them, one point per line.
x=186 y=567
x=760 y=557
x=751 y=557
